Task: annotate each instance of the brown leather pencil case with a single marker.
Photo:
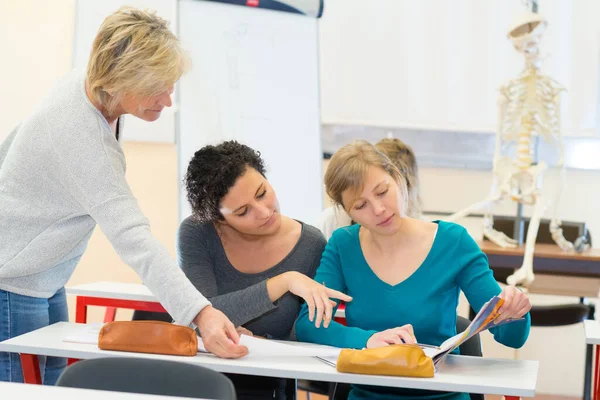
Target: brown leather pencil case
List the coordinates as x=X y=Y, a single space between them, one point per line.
x=154 y=337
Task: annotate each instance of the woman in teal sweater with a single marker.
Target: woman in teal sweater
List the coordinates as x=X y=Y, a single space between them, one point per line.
x=404 y=274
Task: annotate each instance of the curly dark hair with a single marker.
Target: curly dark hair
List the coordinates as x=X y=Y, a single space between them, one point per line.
x=213 y=171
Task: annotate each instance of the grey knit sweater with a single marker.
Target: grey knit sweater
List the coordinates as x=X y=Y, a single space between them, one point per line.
x=244 y=297
x=62 y=172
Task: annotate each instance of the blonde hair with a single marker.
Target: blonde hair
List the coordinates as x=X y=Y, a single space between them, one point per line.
x=404 y=158
x=133 y=52
x=348 y=166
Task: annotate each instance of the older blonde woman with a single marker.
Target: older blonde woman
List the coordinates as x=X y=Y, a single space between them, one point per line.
x=62 y=171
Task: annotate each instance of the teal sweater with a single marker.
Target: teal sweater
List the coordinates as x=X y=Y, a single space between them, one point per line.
x=427 y=299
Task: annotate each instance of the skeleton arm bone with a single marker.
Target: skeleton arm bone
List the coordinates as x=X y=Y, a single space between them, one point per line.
x=496 y=194
x=474 y=207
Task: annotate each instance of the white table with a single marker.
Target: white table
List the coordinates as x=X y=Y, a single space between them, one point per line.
x=14 y=391
x=592 y=331
x=112 y=295
x=512 y=378
x=121 y=295
x=113 y=290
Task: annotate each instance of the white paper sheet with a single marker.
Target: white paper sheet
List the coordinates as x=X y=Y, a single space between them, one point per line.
x=272 y=348
x=88 y=334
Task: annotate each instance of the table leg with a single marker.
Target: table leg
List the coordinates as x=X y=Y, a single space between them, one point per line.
x=31 y=369
x=109 y=315
x=596 y=375
x=81 y=310
x=71 y=361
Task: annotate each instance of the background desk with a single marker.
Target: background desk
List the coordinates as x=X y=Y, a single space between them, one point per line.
x=118 y=295
x=512 y=378
x=549 y=262
x=112 y=295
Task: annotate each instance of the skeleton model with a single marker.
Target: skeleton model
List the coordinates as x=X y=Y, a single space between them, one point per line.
x=529 y=106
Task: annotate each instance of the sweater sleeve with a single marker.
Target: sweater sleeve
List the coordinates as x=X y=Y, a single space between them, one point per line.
x=5 y=145
x=338 y=335
x=476 y=280
x=94 y=174
x=195 y=258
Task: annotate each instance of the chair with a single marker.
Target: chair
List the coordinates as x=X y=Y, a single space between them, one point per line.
x=151 y=316
x=330 y=389
x=471 y=347
x=138 y=375
x=138 y=315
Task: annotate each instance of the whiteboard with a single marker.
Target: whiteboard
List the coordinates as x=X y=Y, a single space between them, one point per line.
x=89 y=15
x=254 y=79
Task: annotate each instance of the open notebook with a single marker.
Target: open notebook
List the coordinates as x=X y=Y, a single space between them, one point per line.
x=483 y=320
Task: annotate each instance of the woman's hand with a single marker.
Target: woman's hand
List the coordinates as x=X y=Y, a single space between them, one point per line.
x=316 y=295
x=218 y=334
x=516 y=304
x=243 y=331
x=402 y=334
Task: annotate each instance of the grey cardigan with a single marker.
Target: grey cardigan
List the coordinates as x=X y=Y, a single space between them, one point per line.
x=62 y=171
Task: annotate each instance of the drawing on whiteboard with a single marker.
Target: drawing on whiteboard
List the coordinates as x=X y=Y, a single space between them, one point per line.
x=241 y=73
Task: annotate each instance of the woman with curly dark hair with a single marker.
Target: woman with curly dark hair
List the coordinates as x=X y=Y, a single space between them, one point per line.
x=251 y=262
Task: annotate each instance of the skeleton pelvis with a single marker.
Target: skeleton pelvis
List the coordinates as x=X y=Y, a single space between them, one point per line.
x=521 y=185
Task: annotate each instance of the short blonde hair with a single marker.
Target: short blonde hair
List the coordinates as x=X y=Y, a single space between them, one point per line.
x=133 y=52
x=348 y=166
x=403 y=156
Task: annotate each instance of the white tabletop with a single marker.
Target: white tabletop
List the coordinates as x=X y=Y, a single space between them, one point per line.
x=113 y=290
x=457 y=374
x=11 y=390
x=592 y=331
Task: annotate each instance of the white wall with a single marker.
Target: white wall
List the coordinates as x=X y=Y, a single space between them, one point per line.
x=36 y=44
x=438 y=64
